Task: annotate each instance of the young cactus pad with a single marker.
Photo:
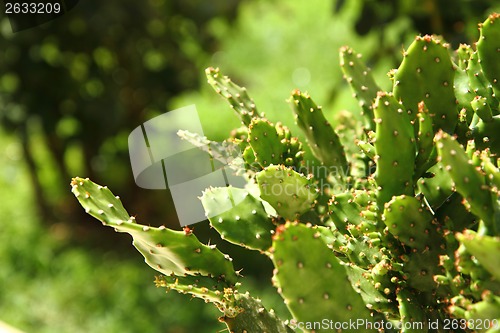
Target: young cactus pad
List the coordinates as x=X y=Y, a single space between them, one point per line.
x=238 y=217
x=289 y=192
x=324 y=142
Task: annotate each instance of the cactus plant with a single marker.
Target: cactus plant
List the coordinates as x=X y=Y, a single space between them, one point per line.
x=412 y=245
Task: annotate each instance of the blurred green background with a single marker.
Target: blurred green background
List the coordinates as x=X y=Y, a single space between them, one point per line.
x=72 y=90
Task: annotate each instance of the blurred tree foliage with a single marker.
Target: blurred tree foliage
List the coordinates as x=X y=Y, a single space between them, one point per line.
x=49 y=285
x=82 y=82
x=455 y=20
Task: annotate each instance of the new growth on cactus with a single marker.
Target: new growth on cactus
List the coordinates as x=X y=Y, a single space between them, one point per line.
x=410 y=241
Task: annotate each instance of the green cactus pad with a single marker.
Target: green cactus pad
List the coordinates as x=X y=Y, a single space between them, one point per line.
x=249 y=158
x=254 y=318
x=462 y=88
x=488 y=48
x=413 y=319
x=265 y=142
x=411 y=222
x=438 y=187
x=344 y=211
x=421 y=268
x=242 y=219
x=491 y=170
x=291 y=194
x=485 y=249
x=395 y=146
x=487 y=135
x=464 y=53
x=469 y=182
x=237 y=96
x=311 y=278
x=361 y=81
x=202 y=287
x=324 y=142
x=484 y=312
x=482 y=108
x=427 y=74
x=478 y=82
x=463 y=92
x=362 y=282
x=167 y=251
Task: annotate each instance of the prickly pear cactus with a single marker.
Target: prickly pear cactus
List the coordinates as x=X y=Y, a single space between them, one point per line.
x=409 y=242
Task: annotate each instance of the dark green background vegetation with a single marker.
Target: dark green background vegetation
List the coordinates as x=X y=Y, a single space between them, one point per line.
x=73 y=89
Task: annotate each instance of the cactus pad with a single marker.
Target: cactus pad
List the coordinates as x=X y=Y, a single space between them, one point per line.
x=324 y=142
x=289 y=192
x=361 y=81
x=328 y=292
x=236 y=96
x=485 y=249
x=167 y=251
x=470 y=183
x=488 y=48
x=395 y=146
x=238 y=217
x=426 y=74
x=265 y=142
x=411 y=222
